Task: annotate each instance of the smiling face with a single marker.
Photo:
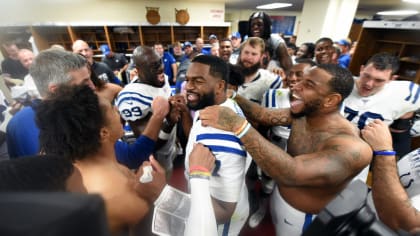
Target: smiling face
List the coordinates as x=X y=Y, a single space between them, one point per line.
x=257 y=27
x=372 y=80
x=201 y=87
x=307 y=96
x=302 y=51
x=81 y=47
x=324 y=51
x=296 y=74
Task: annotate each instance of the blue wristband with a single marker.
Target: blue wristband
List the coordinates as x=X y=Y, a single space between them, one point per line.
x=384 y=153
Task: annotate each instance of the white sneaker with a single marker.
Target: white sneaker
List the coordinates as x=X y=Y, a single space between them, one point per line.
x=256 y=218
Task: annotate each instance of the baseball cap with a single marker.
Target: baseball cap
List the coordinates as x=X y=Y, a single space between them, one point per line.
x=212 y=36
x=187 y=44
x=105 y=49
x=235 y=35
x=343 y=42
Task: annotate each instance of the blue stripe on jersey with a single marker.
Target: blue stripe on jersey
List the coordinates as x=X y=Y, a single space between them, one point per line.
x=410 y=87
x=273 y=99
x=277 y=83
x=308 y=221
x=217 y=148
x=227 y=137
x=416 y=96
x=226 y=228
x=134 y=93
x=267 y=96
x=133 y=99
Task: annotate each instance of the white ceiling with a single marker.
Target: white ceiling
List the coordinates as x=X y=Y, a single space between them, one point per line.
x=364 y=5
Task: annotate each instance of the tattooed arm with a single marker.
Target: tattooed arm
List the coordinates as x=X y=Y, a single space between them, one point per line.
x=224 y=118
x=336 y=161
x=391 y=200
x=340 y=158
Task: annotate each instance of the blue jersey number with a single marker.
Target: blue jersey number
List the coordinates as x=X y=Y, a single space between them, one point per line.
x=134 y=111
x=351 y=114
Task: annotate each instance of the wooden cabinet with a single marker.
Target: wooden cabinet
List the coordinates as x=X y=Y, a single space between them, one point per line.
x=95 y=36
x=182 y=33
x=46 y=36
x=124 y=38
x=218 y=31
x=401 y=39
x=153 y=34
x=121 y=38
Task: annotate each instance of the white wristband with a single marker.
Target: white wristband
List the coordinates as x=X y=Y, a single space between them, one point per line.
x=163 y=135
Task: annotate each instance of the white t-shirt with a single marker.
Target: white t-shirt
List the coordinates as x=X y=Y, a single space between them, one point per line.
x=255 y=89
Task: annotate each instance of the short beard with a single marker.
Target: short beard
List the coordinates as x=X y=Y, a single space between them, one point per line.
x=205 y=101
x=247 y=71
x=310 y=108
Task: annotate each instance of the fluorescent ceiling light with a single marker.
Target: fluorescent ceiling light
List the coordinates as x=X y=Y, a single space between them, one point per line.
x=412 y=1
x=275 y=5
x=397 y=13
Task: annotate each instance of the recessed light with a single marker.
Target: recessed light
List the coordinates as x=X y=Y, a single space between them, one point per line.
x=412 y=1
x=275 y=5
x=398 y=13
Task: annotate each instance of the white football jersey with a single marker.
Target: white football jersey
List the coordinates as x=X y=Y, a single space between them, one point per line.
x=389 y=104
x=227 y=182
x=134 y=101
x=278 y=98
x=254 y=90
x=409 y=172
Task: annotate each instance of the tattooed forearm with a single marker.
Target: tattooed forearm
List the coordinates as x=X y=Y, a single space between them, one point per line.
x=272 y=160
x=391 y=201
x=263 y=116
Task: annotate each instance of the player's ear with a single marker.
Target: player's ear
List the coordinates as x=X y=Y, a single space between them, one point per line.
x=394 y=77
x=332 y=100
x=104 y=134
x=221 y=86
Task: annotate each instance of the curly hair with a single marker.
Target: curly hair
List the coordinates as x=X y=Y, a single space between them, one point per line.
x=70 y=121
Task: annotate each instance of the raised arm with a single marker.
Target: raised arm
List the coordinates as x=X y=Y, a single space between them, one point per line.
x=340 y=158
x=391 y=200
x=261 y=115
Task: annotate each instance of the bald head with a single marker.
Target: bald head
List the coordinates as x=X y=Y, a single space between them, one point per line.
x=144 y=55
x=26 y=57
x=149 y=65
x=81 y=47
